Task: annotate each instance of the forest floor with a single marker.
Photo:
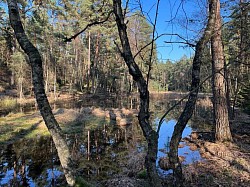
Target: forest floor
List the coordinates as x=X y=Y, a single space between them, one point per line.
x=224 y=164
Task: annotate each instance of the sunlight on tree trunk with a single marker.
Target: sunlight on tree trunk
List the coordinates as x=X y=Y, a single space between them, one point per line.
x=42 y=101
x=190 y=105
x=143 y=117
x=221 y=120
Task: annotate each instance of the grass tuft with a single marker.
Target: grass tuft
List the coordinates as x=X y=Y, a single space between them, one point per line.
x=8 y=103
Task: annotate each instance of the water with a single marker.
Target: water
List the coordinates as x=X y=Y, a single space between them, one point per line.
x=29 y=163
x=101 y=153
x=165 y=134
x=109 y=147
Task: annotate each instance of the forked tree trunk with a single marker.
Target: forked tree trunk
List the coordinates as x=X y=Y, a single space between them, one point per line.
x=143 y=117
x=41 y=98
x=190 y=105
x=222 y=133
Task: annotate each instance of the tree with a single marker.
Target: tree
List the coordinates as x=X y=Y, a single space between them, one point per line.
x=237 y=53
x=143 y=117
x=150 y=134
x=220 y=107
x=244 y=97
x=41 y=98
x=21 y=72
x=190 y=105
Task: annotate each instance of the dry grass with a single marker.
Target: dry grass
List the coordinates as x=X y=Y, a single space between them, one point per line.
x=216 y=172
x=8 y=103
x=204 y=102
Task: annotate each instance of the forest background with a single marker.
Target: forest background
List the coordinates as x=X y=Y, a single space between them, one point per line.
x=91 y=63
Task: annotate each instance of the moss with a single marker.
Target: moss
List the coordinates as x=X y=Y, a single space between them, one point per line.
x=86 y=123
x=17 y=126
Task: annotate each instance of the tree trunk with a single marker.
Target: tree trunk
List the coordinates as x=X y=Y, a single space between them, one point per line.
x=55 y=95
x=94 y=66
x=221 y=120
x=228 y=93
x=89 y=59
x=190 y=105
x=41 y=98
x=143 y=117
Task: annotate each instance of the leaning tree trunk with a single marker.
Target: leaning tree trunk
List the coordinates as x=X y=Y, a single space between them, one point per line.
x=41 y=98
x=190 y=105
x=221 y=120
x=143 y=117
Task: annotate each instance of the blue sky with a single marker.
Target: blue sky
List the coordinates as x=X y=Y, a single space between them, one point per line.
x=172 y=19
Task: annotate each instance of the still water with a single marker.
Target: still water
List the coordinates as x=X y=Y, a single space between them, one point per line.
x=101 y=153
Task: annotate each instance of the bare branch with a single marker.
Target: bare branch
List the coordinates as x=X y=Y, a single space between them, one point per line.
x=187 y=43
x=148 y=18
x=126 y=8
x=154 y=39
x=152 y=43
x=87 y=26
x=175 y=12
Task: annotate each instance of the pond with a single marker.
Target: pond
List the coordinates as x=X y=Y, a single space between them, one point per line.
x=29 y=163
x=102 y=152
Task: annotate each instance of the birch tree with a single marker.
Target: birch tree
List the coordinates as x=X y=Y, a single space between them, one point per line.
x=35 y=61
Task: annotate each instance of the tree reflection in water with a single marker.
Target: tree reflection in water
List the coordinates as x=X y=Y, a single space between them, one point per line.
x=29 y=162
x=102 y=151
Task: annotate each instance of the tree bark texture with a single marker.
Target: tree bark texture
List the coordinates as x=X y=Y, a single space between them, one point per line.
x=190 y=105
x=143 y=117
x=41 y=98
x=221 y=120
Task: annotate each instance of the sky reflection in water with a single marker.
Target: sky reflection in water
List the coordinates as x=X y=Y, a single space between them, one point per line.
x=165 y=134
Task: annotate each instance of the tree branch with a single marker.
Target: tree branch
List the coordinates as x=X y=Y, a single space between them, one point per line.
x=187 y=43
x=152 y=43
x=87 y=26
x=176 y=104
x=156 y=38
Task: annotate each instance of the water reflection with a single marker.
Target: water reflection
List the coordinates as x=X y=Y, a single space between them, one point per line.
x=184 y=151
x=101 y=152
x=29 y=163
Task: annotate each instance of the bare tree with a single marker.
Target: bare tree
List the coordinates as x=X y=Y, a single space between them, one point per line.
x=189 y=108
x=143 y=117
